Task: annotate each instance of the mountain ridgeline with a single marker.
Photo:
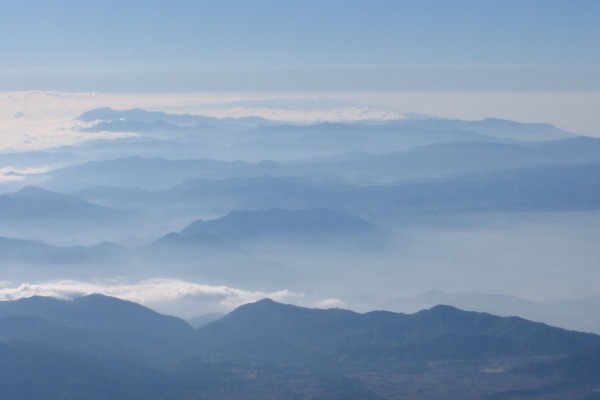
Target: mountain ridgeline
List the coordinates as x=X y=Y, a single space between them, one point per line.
x=102 y=346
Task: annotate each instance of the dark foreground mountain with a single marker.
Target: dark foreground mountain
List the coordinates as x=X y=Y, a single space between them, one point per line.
x=268 y=350
x=272 y=332
x=95 y=313
x=35 y=372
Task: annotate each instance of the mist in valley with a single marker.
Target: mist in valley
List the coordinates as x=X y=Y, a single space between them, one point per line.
x=401 y=215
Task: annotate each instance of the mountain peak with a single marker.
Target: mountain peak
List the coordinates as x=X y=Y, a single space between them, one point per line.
x=95 y=312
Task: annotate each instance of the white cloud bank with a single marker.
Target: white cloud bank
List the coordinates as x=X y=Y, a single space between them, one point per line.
x=170 y=296
x=9 y=174
x=145 y=292
x=35 y=120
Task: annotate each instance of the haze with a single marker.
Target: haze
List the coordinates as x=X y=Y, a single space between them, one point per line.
x=196 y=156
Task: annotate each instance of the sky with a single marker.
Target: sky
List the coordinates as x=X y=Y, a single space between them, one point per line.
x=279 y=45
x=532 y=61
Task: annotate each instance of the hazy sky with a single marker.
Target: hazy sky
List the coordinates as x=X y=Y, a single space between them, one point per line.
x=531 y=61
x=278 y=45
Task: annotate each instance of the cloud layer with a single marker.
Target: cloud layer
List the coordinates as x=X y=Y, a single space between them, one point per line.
x=145 y=292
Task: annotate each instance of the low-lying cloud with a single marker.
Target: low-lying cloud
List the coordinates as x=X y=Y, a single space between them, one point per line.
x=149 y=291
x=10 y=174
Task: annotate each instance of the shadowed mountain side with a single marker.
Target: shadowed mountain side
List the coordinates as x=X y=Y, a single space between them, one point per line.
x=96 y=313
x=102 y=326
x=577 y=314
x=271 y=350
x=583 y=365
x=37 y=372
x=274 y=332
x=126 y=348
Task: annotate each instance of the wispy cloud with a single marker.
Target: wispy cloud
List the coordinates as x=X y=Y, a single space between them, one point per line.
x=145 y=292
x=9 y=174
x=331 y=303
x=36 y=120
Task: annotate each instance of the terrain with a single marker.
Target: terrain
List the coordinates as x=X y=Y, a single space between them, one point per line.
x=98 y=346
x=364 y=214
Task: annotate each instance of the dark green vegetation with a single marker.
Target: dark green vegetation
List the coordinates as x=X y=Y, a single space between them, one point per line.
x=98 y=347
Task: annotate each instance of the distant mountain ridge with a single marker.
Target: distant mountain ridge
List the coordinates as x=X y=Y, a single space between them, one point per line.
x=249 y=224
x=34 y=202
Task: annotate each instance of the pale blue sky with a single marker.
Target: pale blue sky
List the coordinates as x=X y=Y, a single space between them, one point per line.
x=267 y=45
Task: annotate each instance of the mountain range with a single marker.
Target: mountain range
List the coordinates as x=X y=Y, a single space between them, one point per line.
x=97 y=346
x=366 y=214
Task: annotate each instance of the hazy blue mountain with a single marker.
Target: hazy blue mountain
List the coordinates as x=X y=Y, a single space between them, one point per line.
x=24 y=251
x=503 y=129
x=145 y=147
x=29 y=159
x=149 y=173
x=257 y=192
x=33 y=203
x=446 y=159
x=213 y=258
x=217 y=197
x=568 y=187
x=205 y=319
x=289 y=142
x=61 y=219
x=112 y=196
x=499 y=128
x=255 y=139
x=268 y=249
x=279 y=222
x=107 y=114
x=52 y=261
